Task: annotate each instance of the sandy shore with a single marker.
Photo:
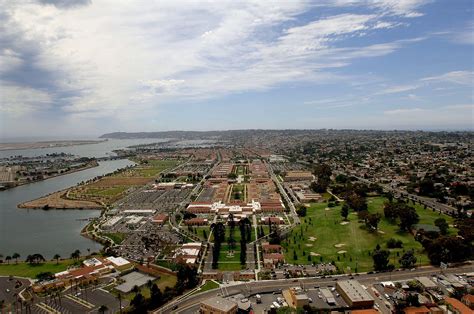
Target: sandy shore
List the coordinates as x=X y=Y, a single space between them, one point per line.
x=57 y=200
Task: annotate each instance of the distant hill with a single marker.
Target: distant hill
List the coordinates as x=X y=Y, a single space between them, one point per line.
x=194 y=134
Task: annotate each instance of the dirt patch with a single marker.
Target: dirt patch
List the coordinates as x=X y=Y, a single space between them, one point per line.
x=341 y=252
x=327 y=208
x=308 y=244
x=344 y=223
x=380 y=231
x=58 y=201
x=312 y=239
x=314 y=254
x=339 y=245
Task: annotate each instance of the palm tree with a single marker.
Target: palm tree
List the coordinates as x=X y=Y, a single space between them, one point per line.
x=57 y=257
x=76 y=254
x=8 y=259
x=16 y=256
x=149 y=283
x=103 y=309
x=119 y=297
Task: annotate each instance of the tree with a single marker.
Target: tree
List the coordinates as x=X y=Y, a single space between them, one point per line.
x=76 y=255
x=381 y=259
x=412 y=300
x=408 y=259
x=35 y=258
x=43 y=276
x=372 y=221
x=138 y=303
x=356 y=202
x=408 y=218
x=275 y=235
x=156 y=296
x=301 y=211
x=119 y=298
x=103 y=308
x=442 y=225
x=8 y=259
x=231 y=223
x=243 y=252
x=135 y=289
x=16 y=256
x=57 y=257
x=394 y=243
x=390 y=211
x=447 y=249
x=345 y=211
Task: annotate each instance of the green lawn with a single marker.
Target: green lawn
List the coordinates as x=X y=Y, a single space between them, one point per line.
x=229 y=261
x=27 y=270
x=353 y=238
x=237 y=236
x=238 y=192
x=109 y=191
x=200 y=231
x=155 y=167
x=117 y=237
x=165 y=280
x=209 y=285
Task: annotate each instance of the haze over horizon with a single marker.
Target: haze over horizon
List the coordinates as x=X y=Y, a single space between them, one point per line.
x=83 y=68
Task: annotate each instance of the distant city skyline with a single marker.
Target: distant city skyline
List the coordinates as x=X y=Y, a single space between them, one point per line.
x=83 y=68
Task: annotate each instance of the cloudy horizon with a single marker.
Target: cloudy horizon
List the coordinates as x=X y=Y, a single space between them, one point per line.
x=79 y=68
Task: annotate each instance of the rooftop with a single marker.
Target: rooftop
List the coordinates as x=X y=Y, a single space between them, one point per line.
x=220 y=304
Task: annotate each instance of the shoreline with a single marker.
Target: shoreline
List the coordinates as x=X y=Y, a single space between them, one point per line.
x=90 y=165
x=47 y=144
x=55 y=200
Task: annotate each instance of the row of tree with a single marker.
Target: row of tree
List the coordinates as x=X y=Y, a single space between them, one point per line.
x=186 y=279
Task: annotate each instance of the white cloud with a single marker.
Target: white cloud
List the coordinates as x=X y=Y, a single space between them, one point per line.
x=466 y=36
x=18 y=100
x=456 y=77
x=405 y=8
x=403 y=111
x=121 y=59
x=397 y=89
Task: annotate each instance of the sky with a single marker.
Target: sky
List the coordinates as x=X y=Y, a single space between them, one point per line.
x=72 y=68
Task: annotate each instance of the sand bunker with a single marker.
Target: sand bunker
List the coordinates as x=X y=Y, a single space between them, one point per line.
x=344 y=223
x=308 y=244
x=339 y=245
x=341 y=252
x=327 y=208
x=314 y=254
x=312 y=239
x=381 y=232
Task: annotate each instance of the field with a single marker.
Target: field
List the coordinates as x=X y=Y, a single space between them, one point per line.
x=27 y=270
x=325 y=237
x=111 y=188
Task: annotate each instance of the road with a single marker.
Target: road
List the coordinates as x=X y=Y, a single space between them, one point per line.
x=268 y=286
x=296 y=219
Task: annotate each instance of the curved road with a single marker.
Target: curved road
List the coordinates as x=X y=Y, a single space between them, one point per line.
x=266 y=286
